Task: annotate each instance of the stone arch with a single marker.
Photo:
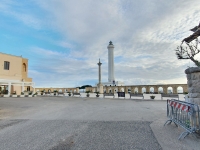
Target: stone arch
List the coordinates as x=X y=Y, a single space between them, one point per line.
x=104 y=90
x=151 y=90
x=60 y=90
x=144 y=90
x=180 y=89
x=24 y=67
x=160 y=90
x=121 y=89
x=109 y=90
x=129 y=89
x=116 y=90
x=136 y=90
x=49 y=90
x=169 y=90
x=132 y=89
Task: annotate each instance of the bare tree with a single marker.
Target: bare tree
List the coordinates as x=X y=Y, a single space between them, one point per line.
x=189 y=51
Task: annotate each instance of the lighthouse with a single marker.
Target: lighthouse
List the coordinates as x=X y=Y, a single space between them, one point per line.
x=111 y=69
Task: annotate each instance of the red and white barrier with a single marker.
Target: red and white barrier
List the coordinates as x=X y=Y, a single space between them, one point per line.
x=179 y=106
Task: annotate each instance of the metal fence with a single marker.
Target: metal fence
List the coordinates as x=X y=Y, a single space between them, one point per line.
x=184 y=114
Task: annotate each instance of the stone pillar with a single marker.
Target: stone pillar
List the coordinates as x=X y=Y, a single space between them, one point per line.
x=193 y=81
x=185 y=89
x=126 y=89
x=147 y=89
x=155 y=89
x=9 y=88
x=175 y=89
x=139 y=89
x=164 y=89
x=99 y=85
x=99 y=64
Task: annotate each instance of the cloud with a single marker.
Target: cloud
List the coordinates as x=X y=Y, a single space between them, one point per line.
x=145 y=34
x=59 y=69
x=137 y=28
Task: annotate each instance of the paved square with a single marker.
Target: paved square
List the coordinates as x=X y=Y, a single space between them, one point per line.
x=52 y=123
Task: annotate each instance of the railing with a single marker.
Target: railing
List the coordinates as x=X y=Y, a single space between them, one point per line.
x=108 y=94
x=184 y=114
x=121 y=94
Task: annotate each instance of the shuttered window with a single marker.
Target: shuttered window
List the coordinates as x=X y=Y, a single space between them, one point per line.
x=6 y=65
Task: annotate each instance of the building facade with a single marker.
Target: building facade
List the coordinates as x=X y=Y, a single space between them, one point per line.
x=148 y=89
x=14 y=75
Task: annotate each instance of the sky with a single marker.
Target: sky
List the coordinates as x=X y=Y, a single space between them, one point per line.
x=64 y=39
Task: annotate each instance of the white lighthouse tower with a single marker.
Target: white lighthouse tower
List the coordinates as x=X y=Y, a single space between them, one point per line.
x=111 y=68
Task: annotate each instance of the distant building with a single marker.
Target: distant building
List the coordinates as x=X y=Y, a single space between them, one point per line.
x=14 y=75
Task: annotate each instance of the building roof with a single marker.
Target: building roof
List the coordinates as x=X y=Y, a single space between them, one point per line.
x=12 y=55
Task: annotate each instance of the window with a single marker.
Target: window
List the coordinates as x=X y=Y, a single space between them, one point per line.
x=6 y=65
x=24 y=67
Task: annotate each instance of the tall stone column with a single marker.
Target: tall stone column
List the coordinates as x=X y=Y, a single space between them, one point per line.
x=100 y=86
x=99 y=64
x=193 y=81
x=111 y=76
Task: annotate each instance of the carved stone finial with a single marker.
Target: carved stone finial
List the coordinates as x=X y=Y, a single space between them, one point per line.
x=110 y=43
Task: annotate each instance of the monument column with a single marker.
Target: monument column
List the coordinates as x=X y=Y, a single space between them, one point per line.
x=99 y=64
x=100 y=86
x=111 y=76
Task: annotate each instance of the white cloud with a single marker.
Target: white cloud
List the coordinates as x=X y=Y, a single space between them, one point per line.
x=137 y=28
x=145 y=34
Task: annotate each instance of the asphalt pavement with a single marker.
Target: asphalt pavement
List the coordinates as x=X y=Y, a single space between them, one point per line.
x=73 y=123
